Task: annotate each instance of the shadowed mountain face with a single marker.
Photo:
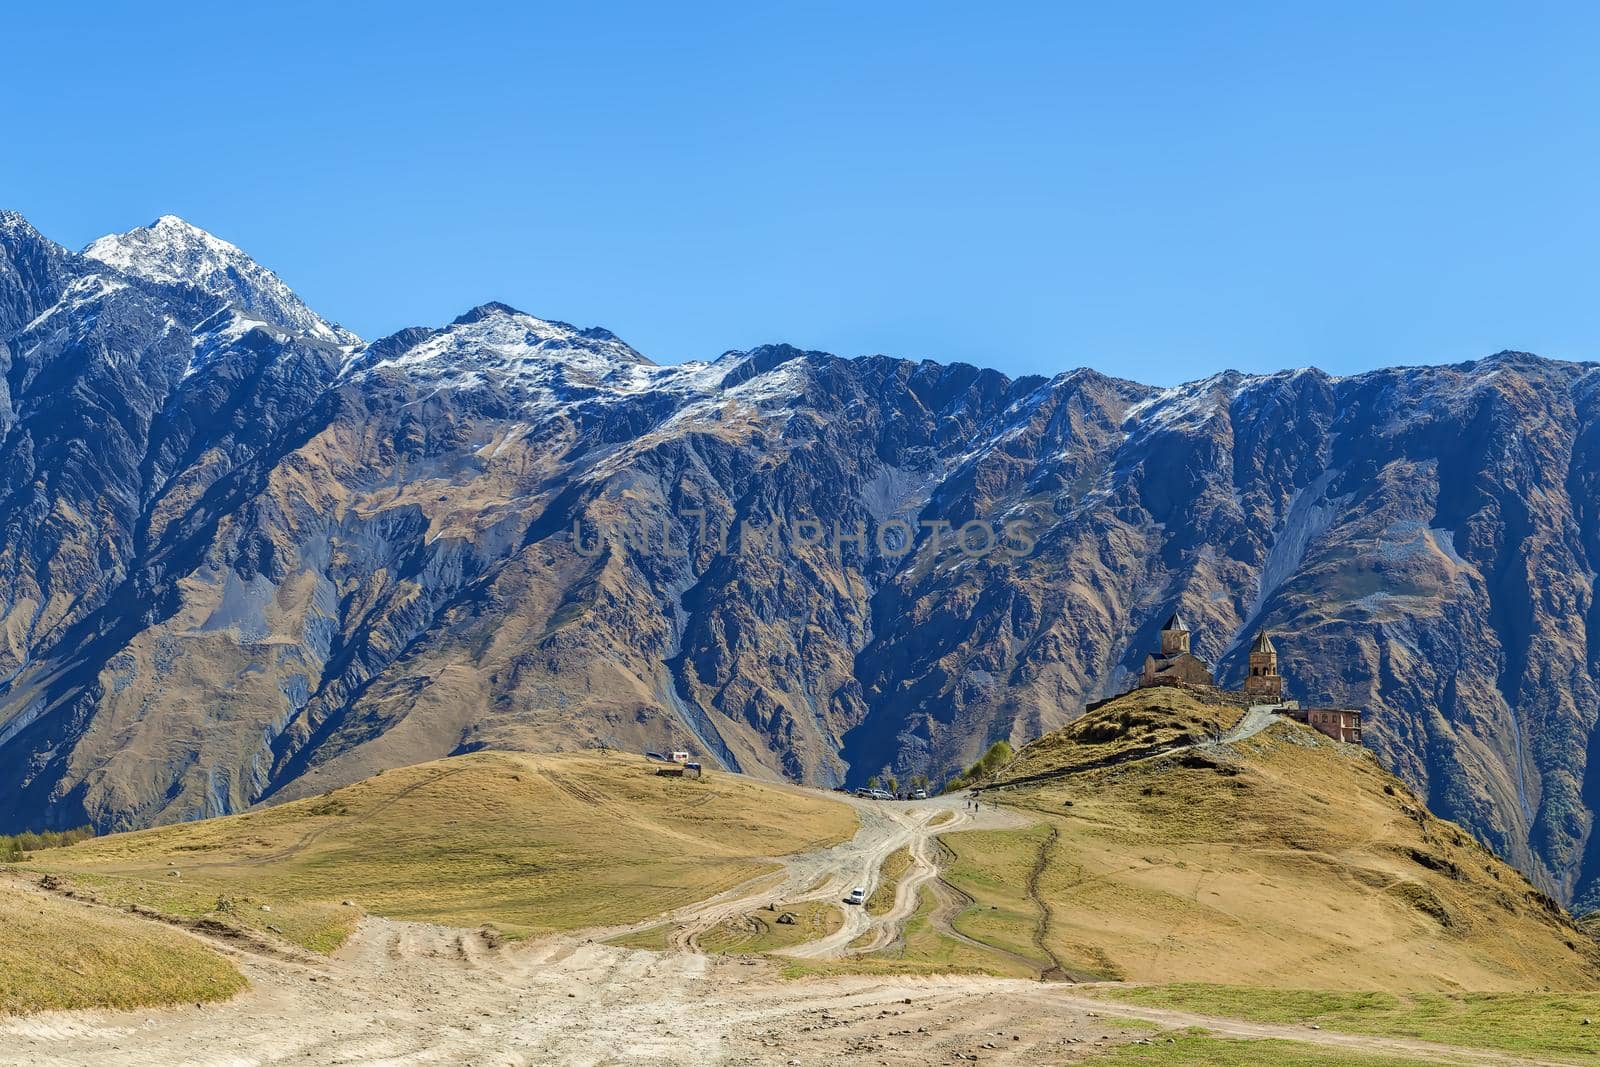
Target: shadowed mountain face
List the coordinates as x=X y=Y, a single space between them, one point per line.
x=248 y=556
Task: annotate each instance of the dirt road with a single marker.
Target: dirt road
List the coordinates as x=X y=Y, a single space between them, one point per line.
x=412 y=994
x=406 y=993
x=830 y=874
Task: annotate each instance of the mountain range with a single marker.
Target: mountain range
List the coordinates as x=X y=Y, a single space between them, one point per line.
x=248 y=556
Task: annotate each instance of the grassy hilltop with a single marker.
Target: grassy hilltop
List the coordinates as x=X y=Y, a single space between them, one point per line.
x=1281 y=878
x=526 y=843
x=1285 y=859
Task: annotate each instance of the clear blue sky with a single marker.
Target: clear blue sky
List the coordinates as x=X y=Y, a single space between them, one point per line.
x=1159 y=192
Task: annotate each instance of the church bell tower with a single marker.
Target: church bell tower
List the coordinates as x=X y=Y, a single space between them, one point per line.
x=1264 y=681
x=1174 y=636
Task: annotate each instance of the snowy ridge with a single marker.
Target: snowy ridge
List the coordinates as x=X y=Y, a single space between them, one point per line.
x=170 y=251
x=79 y=294
x=500 y=339
x=221 y=331
x=555 y=366
x=1192 y=404
x=769 y=394
x=12 y=223
x=1188 y=405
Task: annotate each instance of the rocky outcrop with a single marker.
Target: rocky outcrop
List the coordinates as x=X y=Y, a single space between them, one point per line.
x=247 y=556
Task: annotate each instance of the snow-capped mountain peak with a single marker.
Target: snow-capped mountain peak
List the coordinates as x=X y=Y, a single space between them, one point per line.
x=171 y=251
x=498 y=339
x=541 y=358
x=552 y=367
x=12 y=222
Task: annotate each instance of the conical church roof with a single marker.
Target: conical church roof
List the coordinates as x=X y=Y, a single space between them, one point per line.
x=1262 y=643
x=1175 y=623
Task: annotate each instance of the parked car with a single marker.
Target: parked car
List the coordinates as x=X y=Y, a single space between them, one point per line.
x=921 y=794
x=882 y=794
x=857 y=895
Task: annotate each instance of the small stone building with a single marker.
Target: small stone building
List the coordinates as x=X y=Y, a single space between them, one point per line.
x=1341 y=724
x=1175 y=664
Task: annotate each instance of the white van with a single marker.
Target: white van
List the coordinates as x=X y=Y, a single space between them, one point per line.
x=857 y=895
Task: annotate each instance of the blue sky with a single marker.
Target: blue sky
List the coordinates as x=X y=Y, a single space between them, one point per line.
x=1158 y=192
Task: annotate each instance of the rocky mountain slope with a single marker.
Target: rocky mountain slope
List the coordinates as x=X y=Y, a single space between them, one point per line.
x=247 y=556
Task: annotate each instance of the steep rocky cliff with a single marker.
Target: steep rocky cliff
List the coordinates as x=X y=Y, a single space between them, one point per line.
x=248 y=556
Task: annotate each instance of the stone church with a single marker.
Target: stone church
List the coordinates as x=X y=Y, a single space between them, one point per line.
x=1177 y=665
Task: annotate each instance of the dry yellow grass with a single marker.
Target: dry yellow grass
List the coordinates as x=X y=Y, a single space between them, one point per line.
x=1287 y=862
x=526 y=843
x=653 y=938
x=1145 y=720
x=57 y=955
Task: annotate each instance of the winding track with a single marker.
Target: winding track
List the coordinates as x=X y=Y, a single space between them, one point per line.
x=830 y=874
x=886 y=827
